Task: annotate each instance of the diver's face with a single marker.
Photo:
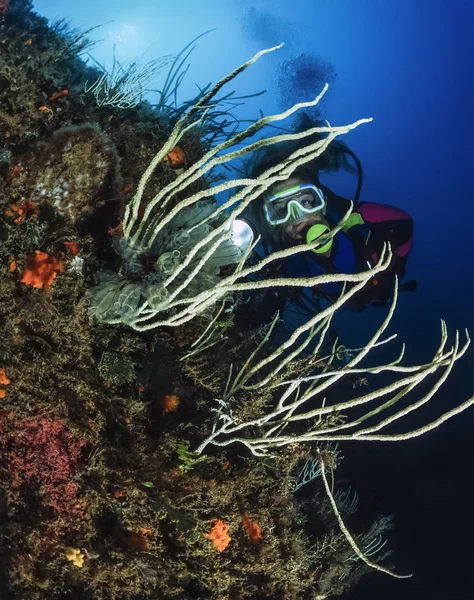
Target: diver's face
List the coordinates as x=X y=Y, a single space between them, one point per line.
x=294 y=232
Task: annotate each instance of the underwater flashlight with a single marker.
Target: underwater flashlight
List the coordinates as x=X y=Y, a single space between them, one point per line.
x=243 y=233
x=314 y=233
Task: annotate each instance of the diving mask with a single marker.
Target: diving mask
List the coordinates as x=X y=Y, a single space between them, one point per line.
x=293 y=203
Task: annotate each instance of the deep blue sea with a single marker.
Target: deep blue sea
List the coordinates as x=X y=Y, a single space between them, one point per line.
x=409 y=65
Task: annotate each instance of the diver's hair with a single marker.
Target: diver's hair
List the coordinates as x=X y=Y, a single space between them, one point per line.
x=333 y=159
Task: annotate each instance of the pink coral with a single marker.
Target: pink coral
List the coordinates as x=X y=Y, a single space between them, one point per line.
x=43 y=453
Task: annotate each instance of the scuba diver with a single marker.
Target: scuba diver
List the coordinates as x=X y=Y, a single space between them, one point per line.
x=300 y=210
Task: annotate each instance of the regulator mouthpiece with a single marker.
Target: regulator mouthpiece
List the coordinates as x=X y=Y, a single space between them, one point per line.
x=315 y=232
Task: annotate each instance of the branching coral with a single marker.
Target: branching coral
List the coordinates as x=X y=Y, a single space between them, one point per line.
x=301 y=409
x=293 y=405
x=191 y=238
x=186 y=289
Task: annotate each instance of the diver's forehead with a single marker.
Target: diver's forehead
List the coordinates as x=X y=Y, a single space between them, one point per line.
x=287 y=183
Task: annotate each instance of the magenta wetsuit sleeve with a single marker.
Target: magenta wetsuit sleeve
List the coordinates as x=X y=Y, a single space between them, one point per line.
x=388 y=224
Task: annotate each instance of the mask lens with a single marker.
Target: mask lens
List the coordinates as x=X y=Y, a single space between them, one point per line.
x=306 y=199
x=280 y=208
